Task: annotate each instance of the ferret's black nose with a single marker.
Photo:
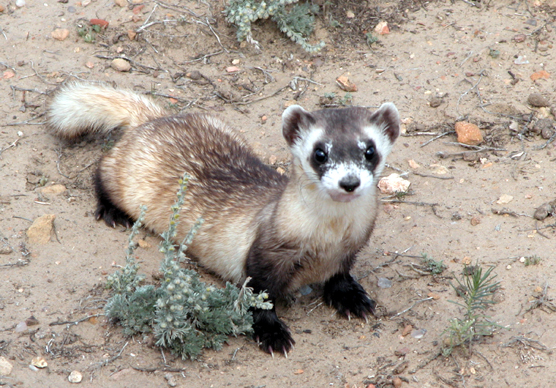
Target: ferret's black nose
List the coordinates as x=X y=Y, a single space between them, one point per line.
x=350 y=183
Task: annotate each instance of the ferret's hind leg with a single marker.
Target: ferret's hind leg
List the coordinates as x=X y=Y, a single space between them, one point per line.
x=106 y=209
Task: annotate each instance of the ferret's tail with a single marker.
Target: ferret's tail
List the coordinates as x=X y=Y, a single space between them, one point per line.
x=80 y=108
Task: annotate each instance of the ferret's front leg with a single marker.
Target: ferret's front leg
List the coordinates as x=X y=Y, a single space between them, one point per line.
x=348 y=297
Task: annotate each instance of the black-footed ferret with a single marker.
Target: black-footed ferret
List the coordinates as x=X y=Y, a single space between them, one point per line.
x=283 y=233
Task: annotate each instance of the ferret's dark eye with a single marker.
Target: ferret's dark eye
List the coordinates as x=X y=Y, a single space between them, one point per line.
x=370 y=153
x=320 y=156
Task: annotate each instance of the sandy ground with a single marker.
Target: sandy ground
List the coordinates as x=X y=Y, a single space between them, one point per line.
x=443 y=62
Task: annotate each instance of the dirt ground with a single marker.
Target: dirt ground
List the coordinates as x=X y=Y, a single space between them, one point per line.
x=442 y=62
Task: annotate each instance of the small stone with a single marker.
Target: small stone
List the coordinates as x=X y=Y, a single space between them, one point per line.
x=435 y=102
x=131 y=34
x=413 y=164
x=41 y=229
x=540 y=74
x=345 y=84
x=89 y=65
x=2 y=9
x=475 y=221
x=433 y=296
x=5 y=367
x=75 y=377
x=232 y=69
x=468 y=133
x=39 y=362
x=5 y=250
x=401 y=352
x=195 y=75
x=121 y=3
x=99 y=22
x=21 y=327
x=519 y=38
x=504 y=199
x=20 y=3
x=236 y=62
x=120 y=64
x=170 y=379
x=143 y=244
x=384 y=283
x=397 y=382
x=542 y=124
x=382 y=28
x=418 y=333
x=406 y=330
x=137 y=9
x=60 y=33
x=53 y=189
x=350 y=14
x=469 y=156
x=547 y=133
x=545 y=210
x=537 y=100
x=280 y=171
x=393 y=184
x=272 y=159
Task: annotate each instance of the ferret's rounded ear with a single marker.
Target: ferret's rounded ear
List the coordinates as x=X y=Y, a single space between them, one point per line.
x=295 y=119
x=387 y=118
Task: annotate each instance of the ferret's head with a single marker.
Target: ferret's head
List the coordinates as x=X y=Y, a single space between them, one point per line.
x=341 y=151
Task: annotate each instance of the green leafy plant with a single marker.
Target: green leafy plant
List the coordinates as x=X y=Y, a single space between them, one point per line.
x=433 y=266
x=532 y=260
x=88 y=33
x=476 y=288
x=184 y=314
x=296 y=22
x=371 y=38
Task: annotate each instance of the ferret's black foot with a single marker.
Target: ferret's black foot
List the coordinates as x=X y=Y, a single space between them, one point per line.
x=348 y=297
x=106 y=210
x=112 y=216
x=271 y=333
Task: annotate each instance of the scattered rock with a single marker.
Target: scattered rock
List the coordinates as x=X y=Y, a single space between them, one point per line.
x=406 y=330
x=542 y=124
x=384 y=283
x=521 y=60
x=20 y=3
x=131 y=34
x=504 y=199
x=60 y=33
x=540 y=74
x=418 y=333
x=469 y=156
x=468 y=133
x=537 y=100
x=401 y=352
x=547 y=133
x=232 y=69
x=41 y=229
x=21 y=327
x=5 y=367
x=143 y=244
x=195 y=75
x=382 y=28
x=475 y=221
x=393 y=184
x=99 y=22
x=171 y=379
x=397 y=382
x=39 y=362
x=5 y=250
x=435 y=102
x=120 y=64
x=53 y=189
x=519 y=38
x=75 y=377
x=345 y=84
x=413 y=164
x=2 y=9
x=121 y=3
x=545 y=210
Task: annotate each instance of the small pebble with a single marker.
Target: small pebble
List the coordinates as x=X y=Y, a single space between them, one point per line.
x=121 y=3
x=418 y=334
x=20 y=3
x=384 y=283
x=435 y=102
x=519 y=38
x=468 y=133
x=537 y=100
x=120 y=64
x=5 y=367
x=71 y=9
x=39 y=362
x=75 y=377
x=521 y=60
x=393 y=184
x=397 y=382
x=60 y=33
x=406 y=330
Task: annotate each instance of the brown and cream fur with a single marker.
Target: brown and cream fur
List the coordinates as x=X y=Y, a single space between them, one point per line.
x=284 y=233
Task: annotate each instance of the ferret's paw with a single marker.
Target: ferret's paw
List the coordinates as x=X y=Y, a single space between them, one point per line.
x=112 y=216
x=272 y=335
x=348 y=297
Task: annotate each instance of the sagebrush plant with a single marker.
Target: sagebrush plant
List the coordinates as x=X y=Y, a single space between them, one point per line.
x=296 y=22
x=433 y=266
x=184 y=314
x=477 y=289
